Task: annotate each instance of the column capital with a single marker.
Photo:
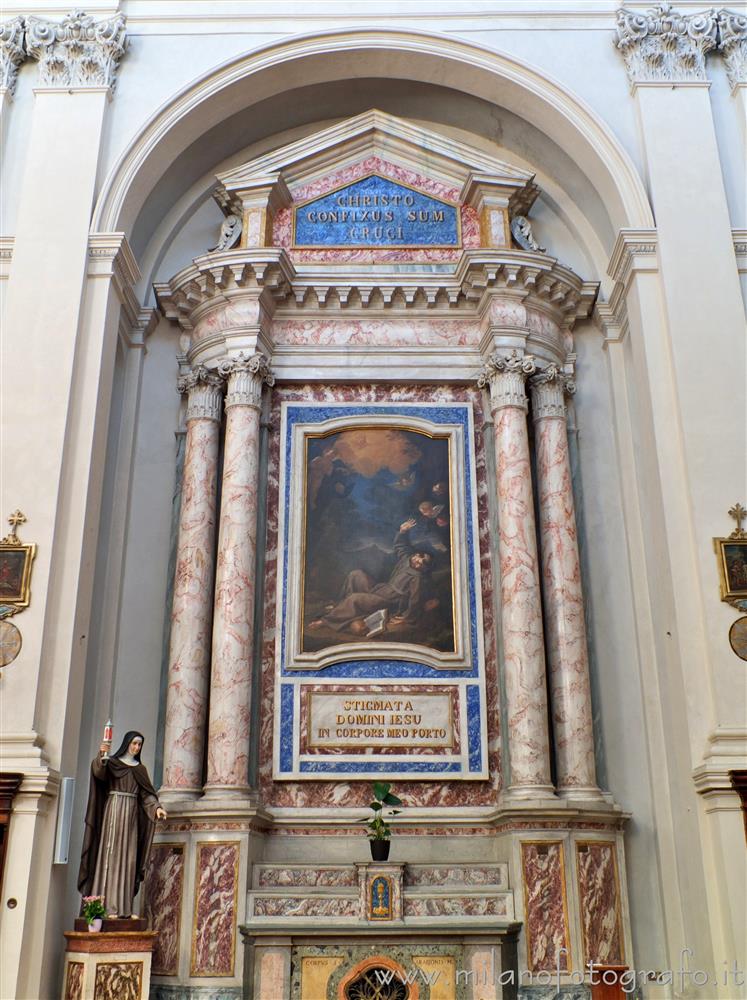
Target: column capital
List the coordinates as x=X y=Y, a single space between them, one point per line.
x=663 y=46
x=506 y=375
x=12 y=52
x=732 y=44
x=205 y=393
x=549 y=388
x=246 y=374
x=76 y=51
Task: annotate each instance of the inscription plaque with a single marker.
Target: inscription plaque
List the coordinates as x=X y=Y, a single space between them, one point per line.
x=378 y=720
x=376 y=212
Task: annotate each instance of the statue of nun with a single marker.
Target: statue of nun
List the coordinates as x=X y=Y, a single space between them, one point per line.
x=120 y=821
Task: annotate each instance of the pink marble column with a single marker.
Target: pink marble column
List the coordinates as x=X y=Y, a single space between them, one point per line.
x=521 y=610
x=233 y=619
x=189 y=650
x=570 y=695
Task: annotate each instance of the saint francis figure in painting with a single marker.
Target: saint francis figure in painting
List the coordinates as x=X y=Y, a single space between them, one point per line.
x=120 y=821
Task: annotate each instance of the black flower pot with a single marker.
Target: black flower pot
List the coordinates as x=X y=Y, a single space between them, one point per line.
x=379 y=849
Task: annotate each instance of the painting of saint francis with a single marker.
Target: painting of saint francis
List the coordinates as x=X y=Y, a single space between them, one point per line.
x=378 y=540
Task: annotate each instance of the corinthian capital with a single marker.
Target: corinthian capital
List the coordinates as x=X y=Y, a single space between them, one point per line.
x=76 y=51
x=205 y=393
x=549 y=388
x=246 y=374
x=732 y=32
x=662 y=45
x=12 y=52
x=506 y=375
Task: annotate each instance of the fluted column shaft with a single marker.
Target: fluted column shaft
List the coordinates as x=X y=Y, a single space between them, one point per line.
x=521 y=609
x=189 y=650
x=565 y=626
x=233 y=620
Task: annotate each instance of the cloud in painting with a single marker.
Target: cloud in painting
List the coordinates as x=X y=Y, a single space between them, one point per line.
x=367 y=452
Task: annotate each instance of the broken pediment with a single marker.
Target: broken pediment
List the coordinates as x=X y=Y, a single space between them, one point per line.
x=376 y=188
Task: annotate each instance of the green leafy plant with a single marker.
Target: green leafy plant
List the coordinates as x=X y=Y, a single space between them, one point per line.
x=378 y=829
x=93 y=908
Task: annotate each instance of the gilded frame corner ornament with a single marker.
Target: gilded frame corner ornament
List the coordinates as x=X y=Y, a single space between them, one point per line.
x=731 y=554
x=16 y=561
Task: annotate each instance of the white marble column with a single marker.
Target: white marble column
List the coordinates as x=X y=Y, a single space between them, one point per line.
x=233 y=621
x=189 y=650
x=521 y=609
x=565 y=626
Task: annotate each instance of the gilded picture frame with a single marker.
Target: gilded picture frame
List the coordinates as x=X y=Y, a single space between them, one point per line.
x=731 y=554
x=16 y=561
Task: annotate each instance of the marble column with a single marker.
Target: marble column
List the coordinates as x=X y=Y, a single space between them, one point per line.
x=189 y=651
x=565 y=626
x=521 y=609
x=233 y=620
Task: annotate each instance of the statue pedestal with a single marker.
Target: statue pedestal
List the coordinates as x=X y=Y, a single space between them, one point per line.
x=107 y=964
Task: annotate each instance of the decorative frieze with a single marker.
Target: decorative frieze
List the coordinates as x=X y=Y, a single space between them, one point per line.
x=506 y=377
x=12 y=52
x=732 y=43
x=662 y=45
x=245 y=377
x=77 y=51
x=205 y=393
x=549 y=388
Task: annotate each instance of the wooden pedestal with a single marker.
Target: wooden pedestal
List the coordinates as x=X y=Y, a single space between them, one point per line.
x=108 y=965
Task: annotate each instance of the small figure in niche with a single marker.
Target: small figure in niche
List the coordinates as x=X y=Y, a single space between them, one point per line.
x=120 y=822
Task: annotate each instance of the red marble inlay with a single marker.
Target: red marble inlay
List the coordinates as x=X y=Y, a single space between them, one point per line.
x=599 y=895
x=164 y=884
x=214 y=930
x=357 y=793
x=546 y=921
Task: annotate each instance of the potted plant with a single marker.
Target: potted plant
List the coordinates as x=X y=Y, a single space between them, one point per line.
x=93 y=912
x=378 y=830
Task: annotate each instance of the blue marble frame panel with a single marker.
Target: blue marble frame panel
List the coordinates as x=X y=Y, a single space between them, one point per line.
x=468 y=760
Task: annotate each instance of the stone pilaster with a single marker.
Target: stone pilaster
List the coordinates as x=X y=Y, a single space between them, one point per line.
x=189 y=651
x=235 y=585
x=521 y=609
x=565 y=626
x=77 y=51
x=663 y=46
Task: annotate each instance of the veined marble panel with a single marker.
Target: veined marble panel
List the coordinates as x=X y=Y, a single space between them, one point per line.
x=546 y=914
x=118 y=981
x=74 y=976
x=214 y=923
x=164 y=884
x=599 y=899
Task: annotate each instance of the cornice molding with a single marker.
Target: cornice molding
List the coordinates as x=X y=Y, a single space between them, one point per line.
x=269 y=273
x=732 y=44
x=12 y=51
x=110 y=256
x=726 y=752
x=740 y=248
x=635 y=250
x=664 y=46
x=77 y=51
